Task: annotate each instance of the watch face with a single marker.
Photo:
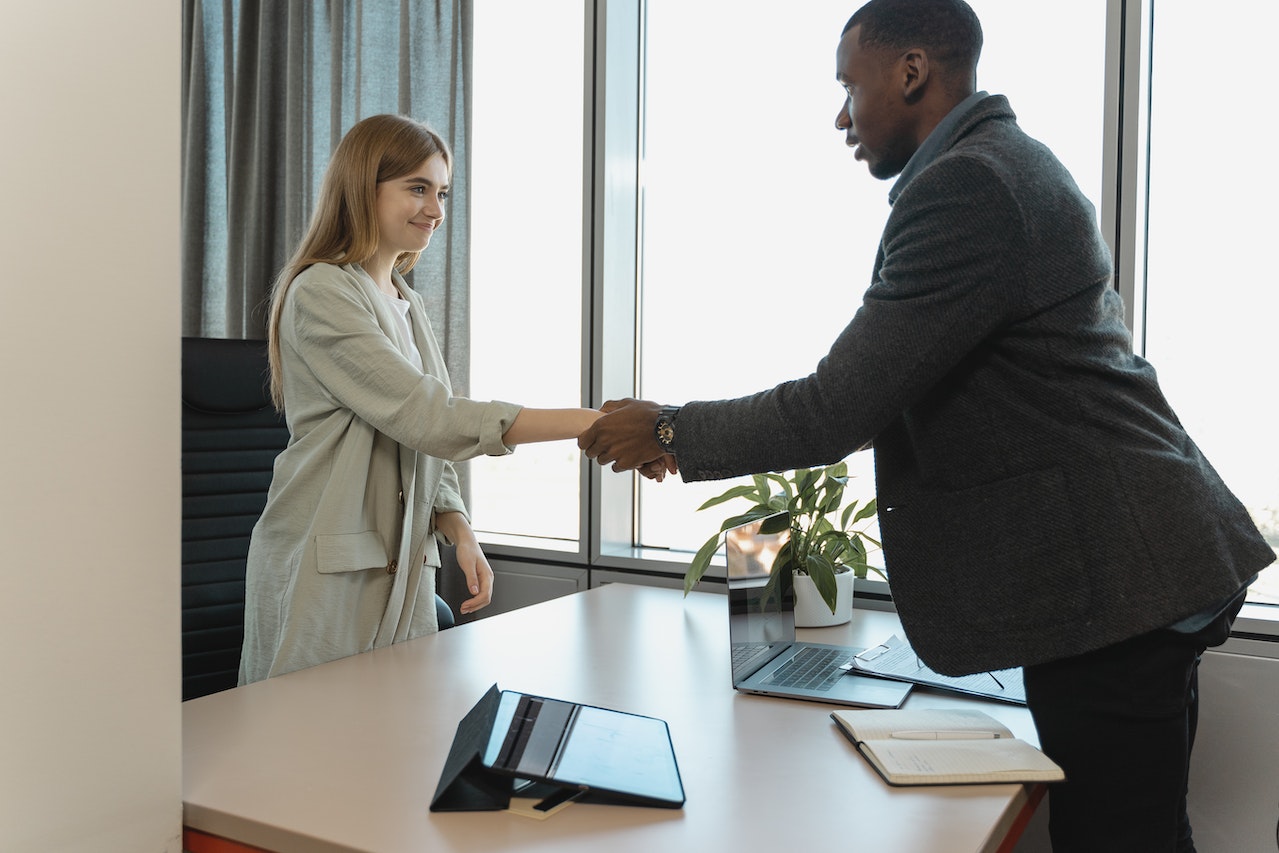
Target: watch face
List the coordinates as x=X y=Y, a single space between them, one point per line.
x=665 y=432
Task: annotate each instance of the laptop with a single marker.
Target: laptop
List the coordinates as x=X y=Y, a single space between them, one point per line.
x=766 y=657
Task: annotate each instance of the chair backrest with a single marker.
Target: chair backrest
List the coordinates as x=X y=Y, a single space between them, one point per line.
x=231 y=435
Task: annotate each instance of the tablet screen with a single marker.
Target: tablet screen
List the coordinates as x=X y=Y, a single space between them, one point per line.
x=584 y=746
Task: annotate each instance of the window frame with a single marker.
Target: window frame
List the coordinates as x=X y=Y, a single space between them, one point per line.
x=612 y=275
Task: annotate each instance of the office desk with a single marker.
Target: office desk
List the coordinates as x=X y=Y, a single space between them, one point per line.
x=346 y=756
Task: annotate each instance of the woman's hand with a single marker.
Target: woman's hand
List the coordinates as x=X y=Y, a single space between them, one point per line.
x=479 y=576
x=659 y=468
x=470 y=558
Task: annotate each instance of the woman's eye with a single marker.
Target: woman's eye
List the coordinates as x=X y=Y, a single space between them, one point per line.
x=418 y=190
x=444 y=196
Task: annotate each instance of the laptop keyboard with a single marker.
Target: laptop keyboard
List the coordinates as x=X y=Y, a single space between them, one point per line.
x=743 y=652
x=811 y=669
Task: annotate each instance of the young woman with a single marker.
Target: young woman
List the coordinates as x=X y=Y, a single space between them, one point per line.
x=344 y=556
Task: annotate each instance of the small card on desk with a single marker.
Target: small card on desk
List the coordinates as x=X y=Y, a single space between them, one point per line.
x=944 y=747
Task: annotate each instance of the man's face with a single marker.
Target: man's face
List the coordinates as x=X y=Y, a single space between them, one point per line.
x=875 y=116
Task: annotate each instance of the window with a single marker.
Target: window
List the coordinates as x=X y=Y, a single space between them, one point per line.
x=1210 y=288
x=723 y=209
x=526 y=259
x=759 y=227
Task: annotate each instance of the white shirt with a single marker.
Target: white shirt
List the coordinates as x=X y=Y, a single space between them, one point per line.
x=402 y=315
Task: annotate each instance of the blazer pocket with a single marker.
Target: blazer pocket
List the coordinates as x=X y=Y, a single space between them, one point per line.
x=350 y=552
x=1001 y=556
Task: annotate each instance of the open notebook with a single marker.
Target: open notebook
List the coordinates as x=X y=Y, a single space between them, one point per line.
x=944 y=747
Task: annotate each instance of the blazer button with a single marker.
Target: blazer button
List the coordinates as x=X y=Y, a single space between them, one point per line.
x=401 y=498
x=392 y=567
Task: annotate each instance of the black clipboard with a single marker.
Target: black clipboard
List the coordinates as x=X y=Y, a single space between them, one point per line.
x=557 y=751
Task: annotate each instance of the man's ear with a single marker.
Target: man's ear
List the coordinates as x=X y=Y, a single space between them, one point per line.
x=914 y=69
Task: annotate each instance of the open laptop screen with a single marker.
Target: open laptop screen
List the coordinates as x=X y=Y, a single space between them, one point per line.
x=761 y=617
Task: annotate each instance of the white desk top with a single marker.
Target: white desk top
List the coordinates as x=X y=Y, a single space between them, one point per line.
x=346 y=756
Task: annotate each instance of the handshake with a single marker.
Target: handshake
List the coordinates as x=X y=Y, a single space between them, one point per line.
x=623 y=435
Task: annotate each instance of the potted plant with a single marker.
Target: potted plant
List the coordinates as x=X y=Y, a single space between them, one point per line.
x=818 y=549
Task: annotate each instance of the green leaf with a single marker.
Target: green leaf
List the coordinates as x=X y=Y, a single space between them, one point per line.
x=701 y=561
x=785 y=484
x=806 y=482
x=834 y=548
x=867 y=511
x=834 y=496
x=753 y=514
x=762 y=490
x=857 y=562
x=848 y=511
x=784 y=561
x=823 y=574
x=735 y=492
x=775 y=523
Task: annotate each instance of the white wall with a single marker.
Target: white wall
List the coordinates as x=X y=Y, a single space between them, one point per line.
x=1234 y=774
x=90 y=714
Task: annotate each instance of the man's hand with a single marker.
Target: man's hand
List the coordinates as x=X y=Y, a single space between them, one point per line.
x=624 y=437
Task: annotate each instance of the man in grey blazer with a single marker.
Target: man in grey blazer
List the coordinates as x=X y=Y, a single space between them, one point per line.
x=1040 y=503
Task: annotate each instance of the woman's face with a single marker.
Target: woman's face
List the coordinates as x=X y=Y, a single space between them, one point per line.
x=411 y=207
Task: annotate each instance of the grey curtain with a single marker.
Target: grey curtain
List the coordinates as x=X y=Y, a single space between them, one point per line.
x=268 y=89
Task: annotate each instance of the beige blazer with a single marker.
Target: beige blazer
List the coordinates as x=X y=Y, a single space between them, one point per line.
x=343 y=558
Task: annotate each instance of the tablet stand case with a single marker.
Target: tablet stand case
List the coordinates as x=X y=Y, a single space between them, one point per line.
x=466 y=784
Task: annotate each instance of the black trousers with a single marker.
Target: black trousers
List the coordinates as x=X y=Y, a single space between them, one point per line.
x=1121 y=722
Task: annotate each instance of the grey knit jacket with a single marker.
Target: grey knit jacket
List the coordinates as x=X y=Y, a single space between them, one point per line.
x=1038 y=497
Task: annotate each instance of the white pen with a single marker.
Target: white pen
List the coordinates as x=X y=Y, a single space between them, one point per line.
x=956 y=735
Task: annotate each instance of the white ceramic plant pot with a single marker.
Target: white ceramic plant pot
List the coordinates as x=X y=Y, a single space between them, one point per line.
x=812 y=612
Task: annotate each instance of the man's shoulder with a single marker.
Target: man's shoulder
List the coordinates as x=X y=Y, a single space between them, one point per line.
x=991 y=133
x=998 y=153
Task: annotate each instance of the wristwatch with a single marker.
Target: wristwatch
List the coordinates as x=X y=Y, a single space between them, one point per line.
x=664 y=429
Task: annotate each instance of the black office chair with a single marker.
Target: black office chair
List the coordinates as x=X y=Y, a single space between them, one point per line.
x=230 y=437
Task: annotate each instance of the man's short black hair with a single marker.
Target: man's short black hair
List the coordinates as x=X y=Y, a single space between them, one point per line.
x=947 y=29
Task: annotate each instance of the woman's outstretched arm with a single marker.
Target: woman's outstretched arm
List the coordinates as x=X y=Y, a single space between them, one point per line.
x=533 y=425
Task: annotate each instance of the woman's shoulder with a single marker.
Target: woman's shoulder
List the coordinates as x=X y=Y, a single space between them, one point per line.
x=321 y=280
x=325 y=272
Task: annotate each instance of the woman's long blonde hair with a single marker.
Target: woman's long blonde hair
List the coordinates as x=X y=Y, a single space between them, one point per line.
x=343 y=228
